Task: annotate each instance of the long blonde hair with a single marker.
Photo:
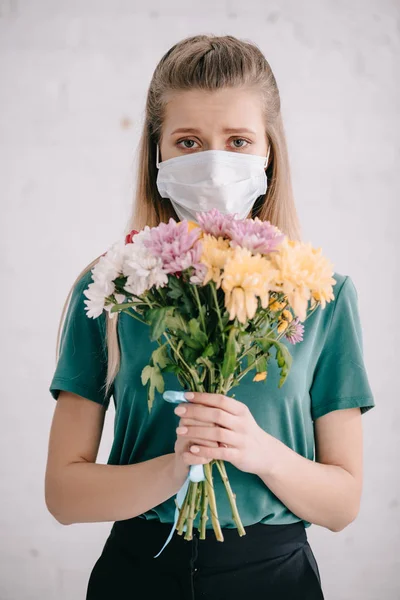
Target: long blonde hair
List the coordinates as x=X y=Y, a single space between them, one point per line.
x=205 y=62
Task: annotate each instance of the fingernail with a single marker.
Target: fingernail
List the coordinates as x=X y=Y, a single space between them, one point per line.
x=174 y=396
x=195 y=449
x=189 y=395
x=180 y=410
x=181 y=430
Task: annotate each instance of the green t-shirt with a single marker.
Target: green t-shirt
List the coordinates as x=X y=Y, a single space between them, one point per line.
x=327 y=373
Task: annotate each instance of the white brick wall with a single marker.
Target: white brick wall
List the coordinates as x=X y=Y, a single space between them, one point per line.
x=71 y=74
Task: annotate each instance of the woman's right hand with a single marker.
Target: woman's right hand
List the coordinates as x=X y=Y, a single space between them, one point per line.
x=183 y=457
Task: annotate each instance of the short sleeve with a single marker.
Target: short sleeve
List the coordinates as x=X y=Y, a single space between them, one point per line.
x=340 y=378
x=82 y=364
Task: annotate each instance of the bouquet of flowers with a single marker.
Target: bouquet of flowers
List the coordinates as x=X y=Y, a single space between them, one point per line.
x=218 y=296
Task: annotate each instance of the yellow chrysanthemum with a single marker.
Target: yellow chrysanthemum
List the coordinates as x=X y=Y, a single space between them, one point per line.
x=192 y=225
x=260 y=376
x=215 y=253
x=304 y=274
x=283 y=325
x=246 y=277
x=275 y=306
x=286 y=314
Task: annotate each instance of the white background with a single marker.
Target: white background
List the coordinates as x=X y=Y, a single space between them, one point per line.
x=73 y=79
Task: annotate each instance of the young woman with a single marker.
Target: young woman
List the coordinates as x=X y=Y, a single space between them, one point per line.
x=210 y=94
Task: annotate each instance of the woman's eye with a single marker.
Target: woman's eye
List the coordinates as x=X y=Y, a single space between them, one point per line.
x=191 y=142
x=184 y=142
x=240 y=140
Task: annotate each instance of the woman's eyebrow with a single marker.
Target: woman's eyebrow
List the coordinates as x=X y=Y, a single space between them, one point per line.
x=225 y=130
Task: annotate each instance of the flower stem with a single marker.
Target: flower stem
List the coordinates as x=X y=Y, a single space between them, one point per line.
x=212 y=502
x=204 y=515
x=196 y=294
x=127 y=311
x=182 y=514
x=215 y=296
x=231 y=496
x=190 y=517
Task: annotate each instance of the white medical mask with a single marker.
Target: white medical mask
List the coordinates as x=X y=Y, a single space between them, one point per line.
x=228 y=181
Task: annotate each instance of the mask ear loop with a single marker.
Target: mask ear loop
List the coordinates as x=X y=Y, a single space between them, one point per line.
x=157 y=157
x=267 y=157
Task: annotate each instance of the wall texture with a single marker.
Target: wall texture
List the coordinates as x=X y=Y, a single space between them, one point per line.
x=73 y=79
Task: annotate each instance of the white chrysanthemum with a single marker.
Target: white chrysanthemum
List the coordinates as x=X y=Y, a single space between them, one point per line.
x=108 y=268
x=142 y=269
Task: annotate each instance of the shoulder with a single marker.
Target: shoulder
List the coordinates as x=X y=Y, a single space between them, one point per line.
x=340 y=282
x=343 y=289
x=80 y=298
x=83 y=281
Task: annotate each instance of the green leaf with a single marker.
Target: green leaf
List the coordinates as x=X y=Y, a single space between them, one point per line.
x=265 y=343
x=229 y=362
x=176 y=291
x=118 y=307
x=197 y=333
x=160 y=356
x=261 y=364
x=172 y=368
x=251 y=357
x=284 y=360
x=152 y=376
x=264 y=328
x=190 y=341
x=156 y=319
x=189 y=354
x=174 y=322
x=208 y=350
x=225 y=318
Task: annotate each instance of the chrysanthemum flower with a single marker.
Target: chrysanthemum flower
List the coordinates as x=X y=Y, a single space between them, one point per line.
x=304 y=274
x=256 y=235
x=215 y=223
x=108 y=267
x=191 y=225
x=246 y=277
x=141 y=267
x=294 y=332
x=174 y=244
x=282 y=326
x=260 y=376
x=215 y=253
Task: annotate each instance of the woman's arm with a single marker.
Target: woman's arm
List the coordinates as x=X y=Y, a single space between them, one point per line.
x=326 y=492
x=77 y=490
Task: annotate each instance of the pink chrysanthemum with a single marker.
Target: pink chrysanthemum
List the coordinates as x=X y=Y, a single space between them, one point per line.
x=294 y=332
x=256 y=235
x=215 y=223
x=175 y=245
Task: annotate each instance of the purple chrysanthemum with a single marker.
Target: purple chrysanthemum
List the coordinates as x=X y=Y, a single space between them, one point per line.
x=215 y=223
x=175 y=245
x=294 y=332
x=256 y=235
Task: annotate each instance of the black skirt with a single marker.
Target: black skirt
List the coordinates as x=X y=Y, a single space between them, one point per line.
x=273 y=562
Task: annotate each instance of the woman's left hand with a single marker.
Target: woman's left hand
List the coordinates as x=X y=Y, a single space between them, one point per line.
x=234 y=426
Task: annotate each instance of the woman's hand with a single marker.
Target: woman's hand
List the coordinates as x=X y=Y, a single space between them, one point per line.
x=229 y=423
x=183 y=457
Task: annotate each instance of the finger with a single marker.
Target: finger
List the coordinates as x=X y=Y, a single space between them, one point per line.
x=215 y=434
x=187 y=421
x=203 y=442
x=209 y=414
x=225 y=403
x=229 y=454
x=192 y=459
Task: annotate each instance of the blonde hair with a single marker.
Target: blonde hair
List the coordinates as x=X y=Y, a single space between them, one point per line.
x=205 y=62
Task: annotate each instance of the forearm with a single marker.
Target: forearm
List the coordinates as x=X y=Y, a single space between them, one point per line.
x=90 y=492
x=326 y=495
